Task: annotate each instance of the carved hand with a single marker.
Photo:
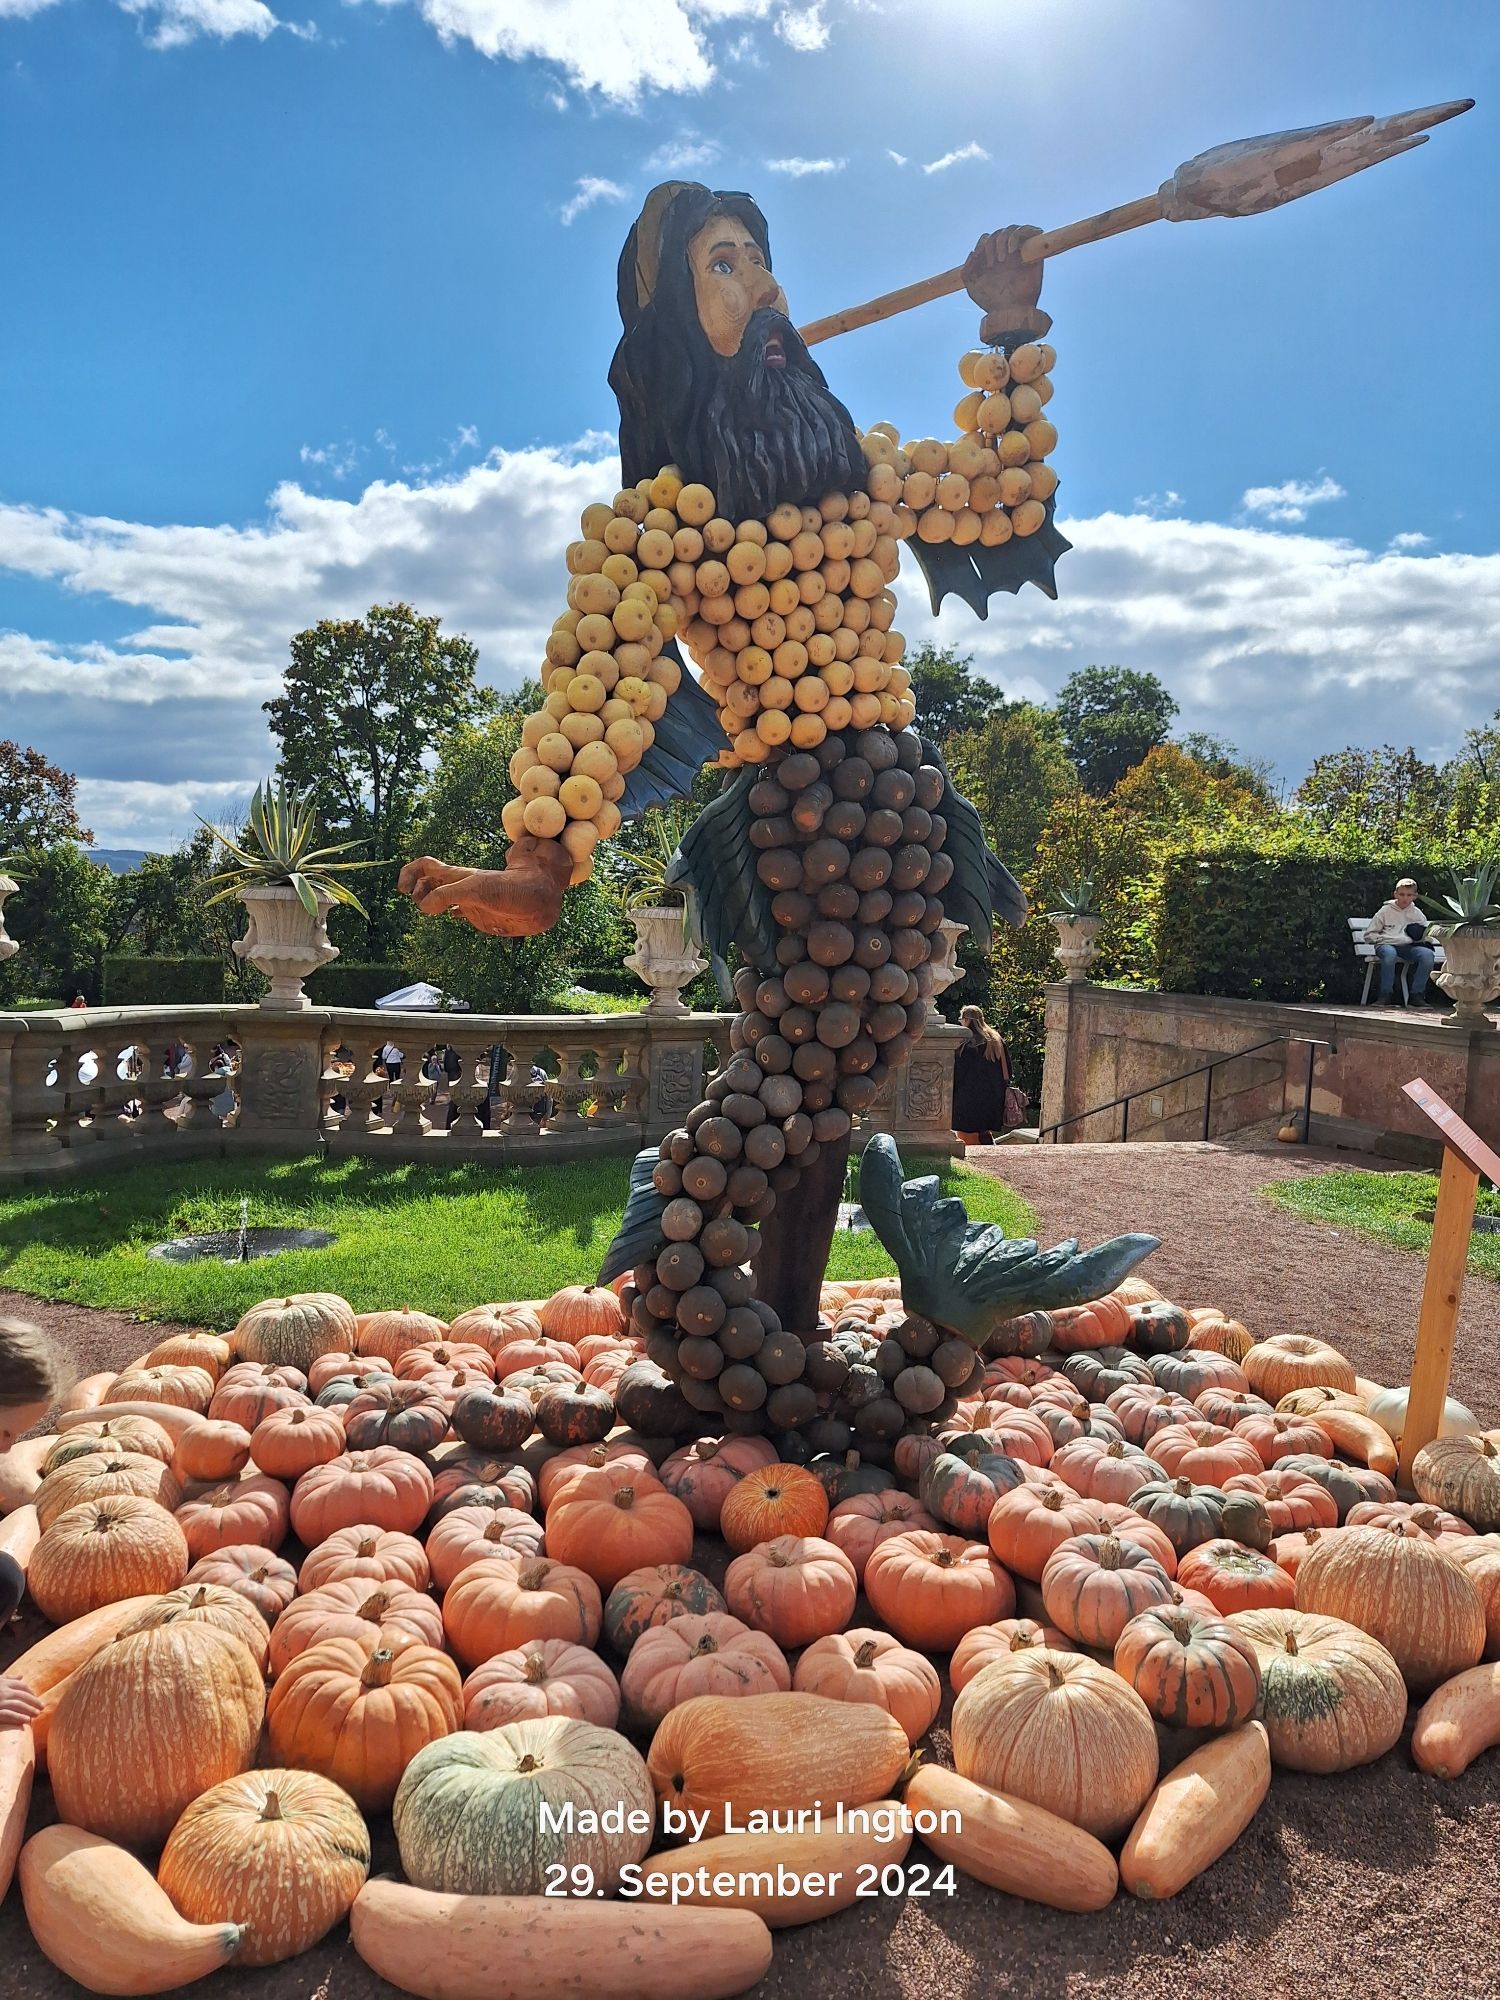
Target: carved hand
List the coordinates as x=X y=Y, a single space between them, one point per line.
x=997 y=279
x=520 y=900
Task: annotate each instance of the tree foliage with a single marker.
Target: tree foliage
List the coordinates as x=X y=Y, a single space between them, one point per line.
x=949 y=694
x=1013 y=767
x=1111 y=716
x=1381 y=795
x=38 y=801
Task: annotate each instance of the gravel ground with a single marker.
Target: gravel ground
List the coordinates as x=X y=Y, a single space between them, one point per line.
x=1377 y=1881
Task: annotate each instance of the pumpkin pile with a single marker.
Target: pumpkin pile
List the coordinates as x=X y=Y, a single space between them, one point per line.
x=333 y=1566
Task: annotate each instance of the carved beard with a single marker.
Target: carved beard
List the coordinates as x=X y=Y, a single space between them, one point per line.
x=763 y=435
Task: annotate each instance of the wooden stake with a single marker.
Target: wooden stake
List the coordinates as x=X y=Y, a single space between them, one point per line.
x=1453 y=1221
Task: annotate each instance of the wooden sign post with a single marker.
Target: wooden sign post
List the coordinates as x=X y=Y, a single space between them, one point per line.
x=1465 y=1158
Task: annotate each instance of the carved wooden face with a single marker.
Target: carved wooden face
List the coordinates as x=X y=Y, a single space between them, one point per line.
x=731 y=284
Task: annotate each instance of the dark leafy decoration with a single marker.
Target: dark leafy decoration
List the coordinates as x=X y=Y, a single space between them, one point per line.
x=688 y=736
x=639 y=1236
x=976 y=573
x=716 y=858
x=970 y=1276
x=982 y=887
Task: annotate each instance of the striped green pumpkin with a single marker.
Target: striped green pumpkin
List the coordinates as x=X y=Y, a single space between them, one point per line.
x=293 y=1332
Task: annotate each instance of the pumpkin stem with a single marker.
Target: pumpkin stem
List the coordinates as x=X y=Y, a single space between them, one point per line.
x=378 y=1668
x=707 y=1644
x=1291 y=1642
x=536 y=1669
x=1056 y=1678
x=533 y=1577
x=625 y=1496
x=1180 y=1626
x=528 y=1764
x=865 y=1654
x=199 y=1597
x=1109 y=1552
x=1051 y=1499
x=495 y=1532
x=272 y=1807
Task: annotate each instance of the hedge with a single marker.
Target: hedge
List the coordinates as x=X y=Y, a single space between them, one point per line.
x=349 y=983
x=1273 y=927
x=133 y=981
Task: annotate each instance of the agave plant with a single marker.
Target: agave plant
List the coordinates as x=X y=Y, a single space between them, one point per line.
x=279 y=854
x=1471 y=910
x=1076 y=900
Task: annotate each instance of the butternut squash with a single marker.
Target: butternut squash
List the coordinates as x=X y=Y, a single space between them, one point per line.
x=100 y=1917
x=1023 y=1849
x=1458 y=1721
x=825 y=1870
x=1359 y=1436
x=17 y=1767
x=89 y=1391
x=172 y=1420
x=19 y=1534
x=553 y=1948
x=1197 y=1812
x=64 y=1650
x=21 y=1471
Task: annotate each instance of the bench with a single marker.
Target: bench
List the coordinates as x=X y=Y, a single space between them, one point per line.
x=1357 y=928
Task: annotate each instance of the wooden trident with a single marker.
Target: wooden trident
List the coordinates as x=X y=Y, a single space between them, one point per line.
x=1246 y=177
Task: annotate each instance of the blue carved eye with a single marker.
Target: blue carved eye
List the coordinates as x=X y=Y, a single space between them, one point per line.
x=723 y=266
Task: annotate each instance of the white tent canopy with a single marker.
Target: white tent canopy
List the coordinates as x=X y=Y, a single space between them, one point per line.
x=420 y=999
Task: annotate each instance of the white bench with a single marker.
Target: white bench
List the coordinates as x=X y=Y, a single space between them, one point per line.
x=1357 y=928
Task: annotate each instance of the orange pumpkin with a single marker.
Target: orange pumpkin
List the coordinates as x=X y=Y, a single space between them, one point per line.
x=865 y=1665
x=389 y=1335
x=710 y=1653
x=239 y=1510
x=472 y=1534
x=357 y=1712
x=108 y=1435
x=981 y=1648
x=1404 y=1591
x=207 y=1604
x=342 y=1365
x=1205 y=1453
x=435 y=1357
x=654 y=1596
x=355 y=1608
x=1029 y=1522
x=704 y=1473
x=796 y=1588
x=1220 y=1334
x=246 y=1394
x=1280 y=1436
x=179 y=1387
x=264 y=1580
x=546 y=1677
x=84 y=1481
x=1292 y=1500
x=384 y=1488
x=1432 y=1522
x=211 y=1449
x=1105 y=1468
x=493 y=1607
x=1094 y=1585
x=558 y=1471
x=1191 y=1672
x=861 y=1523
x=192 y=1349
x=96 y=1554
x=290 y=1442
x=1288 y=1549
x=931 y=1589
x=1331 y=1696
x=374 y=1555
x=578 y=1310
x=1235 y=1578
x=617 y=1519
x=1287 y=1361
x=1479 y=1555
x=495 y=1326
x=773 y=1500
x=1105 y=1323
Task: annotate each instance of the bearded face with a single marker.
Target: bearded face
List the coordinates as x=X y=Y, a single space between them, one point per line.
x=712 y=376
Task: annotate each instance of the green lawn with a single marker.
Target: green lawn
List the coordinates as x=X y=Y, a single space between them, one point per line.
x=1384 y=1206
x=436 y=1238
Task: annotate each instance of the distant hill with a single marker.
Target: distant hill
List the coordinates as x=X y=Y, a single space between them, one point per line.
x=118 y=860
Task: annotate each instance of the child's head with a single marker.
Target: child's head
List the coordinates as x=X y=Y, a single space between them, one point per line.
x=31 y=1378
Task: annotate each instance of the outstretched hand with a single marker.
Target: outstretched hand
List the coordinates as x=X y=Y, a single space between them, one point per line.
x=997 y=278
x=520 y=900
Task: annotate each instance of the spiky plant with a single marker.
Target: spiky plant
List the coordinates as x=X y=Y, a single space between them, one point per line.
x=1077 y=900
x=279 y=853
x=1471 y=910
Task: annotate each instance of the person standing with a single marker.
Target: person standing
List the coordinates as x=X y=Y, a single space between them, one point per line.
x=981 y=1079
x=1396 y=930
x=31 y=1380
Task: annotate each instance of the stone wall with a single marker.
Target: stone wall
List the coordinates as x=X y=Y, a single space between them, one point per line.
x=1103 y=1042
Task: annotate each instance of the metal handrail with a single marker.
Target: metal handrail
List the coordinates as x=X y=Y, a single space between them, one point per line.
x=1122 y=1104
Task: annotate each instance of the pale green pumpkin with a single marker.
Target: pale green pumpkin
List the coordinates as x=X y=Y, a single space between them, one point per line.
x=468 y=1814
x=293 y=1332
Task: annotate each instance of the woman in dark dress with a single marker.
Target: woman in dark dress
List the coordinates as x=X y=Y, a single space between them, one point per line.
x=981 y=1071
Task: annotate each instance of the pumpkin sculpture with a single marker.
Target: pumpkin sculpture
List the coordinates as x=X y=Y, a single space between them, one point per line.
x=980 y=1648
x=1192 y=1672
x=701 y=1654
x=493 y=1607
x=358 y=1711
x=612 y=1521
x=96 y=1554
x=796 y=1588
x=1331 y=1696
x=293 y=1332
x=653 y=1596
x=773 y=1500
x=469 y=1814
x=386 y=1487
x=191 y=1693
x=1404 y=1591
x=284 y=1853
x=546 y=1677
x=932 y=1589
x=1094 y=1585
x=1062 y=1733
x=865 y=1665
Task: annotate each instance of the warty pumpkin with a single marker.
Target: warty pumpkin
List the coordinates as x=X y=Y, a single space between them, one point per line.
x=472 y=1534
x=356 y=1608
x=385 y=1487
x=1093 y=1585
x=865 y=1665
x=149 y=1723
x=292 y=1332
x=1192 y=1672
x=544 y=1677
x=492 y=1607
x=1458 y=1722
x=287 y=1851
x=1462 y=1474
x=1422 y=1606
x=468 y=1814
x=614 y=1520
x=267 y=1581
x=773 y=1500
x=379 y=1555
x=94 y=1555
x=709 y=1653
x=233 y=1513
x=1197 y=1813
x=206 y=1604
x=357 y=1712
x=86 y=1481
x=1331 y=1696
x=930 y=1589
x=655 y=1595
x=796 y=1588
x=1061 y=1732
x=774 y=1752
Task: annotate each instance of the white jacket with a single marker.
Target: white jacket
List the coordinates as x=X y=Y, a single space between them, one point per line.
x=1388 y=925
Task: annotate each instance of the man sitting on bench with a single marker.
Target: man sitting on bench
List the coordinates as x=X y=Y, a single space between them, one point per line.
x=1396 y=930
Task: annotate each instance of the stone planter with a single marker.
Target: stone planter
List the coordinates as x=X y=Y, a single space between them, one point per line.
x=945 y=968
x=284 y=943
x=1471 y=976
x=8 y=945
x=664 y=958
x=1077 y=944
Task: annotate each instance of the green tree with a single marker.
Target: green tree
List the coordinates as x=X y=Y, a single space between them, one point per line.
x=365 y=701
x=38 y=801
x=60 y=919
x=1385 y=796
x=1013 y=769
x=949 y=695
x=1222 y=760
x=1111 y=716
x=1178 y=798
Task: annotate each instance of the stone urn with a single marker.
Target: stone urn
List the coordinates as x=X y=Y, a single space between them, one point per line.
x=284 y=943
x=1077 y=944
x=665 y=958
x=1471 y=975
x=944 y=965
x=8 y=945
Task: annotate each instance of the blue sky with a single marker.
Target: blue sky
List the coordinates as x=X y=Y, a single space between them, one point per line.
x=309 y=304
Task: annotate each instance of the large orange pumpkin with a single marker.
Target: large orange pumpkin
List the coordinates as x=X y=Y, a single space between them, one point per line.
x=268 y=1582
x=207 y=1604
x=1094 y=1585
x=1192 y=1672
x=1287 y=1361
x=617 y=1519
x=1479 y=1555
x=1282 y=1436
x=1205 y=1453
x=579 y=1310
x=704 y=1473
x=358 y=1711
x=392 y=1334
x=182 y=1388
x=340 y=1365
x=1331 y=1696
x=866 y=1665
x=248 y=1392
x=559 y=1471
x=88 y=1480
x=148 y=1724
x=290 y=1442
x=773 y=1500
x=471 y=1534
x=546 y=1677
x=379 y=1555
x=235 y=1512
x=1029 y=1522
x=796 y=1588
x=931 y=1589
x=1105 y=1468
x=442 y=1357
x=1061 y=1732
x=192 y=1349
x=1404 y=1591
x=495 y=1326
x=861 y=1523
x=492 y=1607
x=384 y=1488
x=1235 y=1578
x=1292 y=1500
x=283 y=1853
x=97 y=1554
x=980 y=1648
x=355 y=1608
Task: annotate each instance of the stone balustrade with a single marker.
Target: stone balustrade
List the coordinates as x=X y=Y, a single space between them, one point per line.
x=93 y=1088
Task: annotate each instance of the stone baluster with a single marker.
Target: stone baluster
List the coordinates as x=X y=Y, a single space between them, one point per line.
x=609 y=1091
x=572 y=1088
x=201 y=1086
x=34 y=1102
x=519 y=1090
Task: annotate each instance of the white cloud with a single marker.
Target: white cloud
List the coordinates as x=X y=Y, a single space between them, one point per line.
x=899 y=158
x=170 y=24
x=803 y=28
x=125 y=812
x=337 y=460
x=1412 y=539
x=973 y=151
x=797 y=168
x=589 y=190
x=683 y=155
x=1291 y=499
x=1166 y=502
x=22 y=10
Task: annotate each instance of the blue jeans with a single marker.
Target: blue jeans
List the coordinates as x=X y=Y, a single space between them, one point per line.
x=1418 y=956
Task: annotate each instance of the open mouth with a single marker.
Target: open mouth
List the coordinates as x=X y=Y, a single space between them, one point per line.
x=775 y=352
